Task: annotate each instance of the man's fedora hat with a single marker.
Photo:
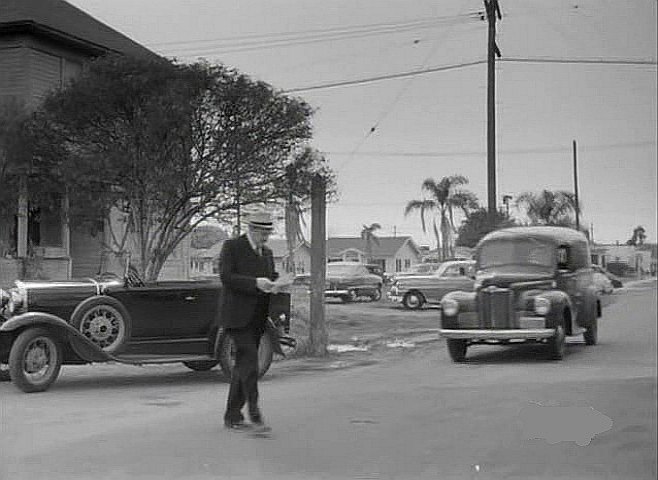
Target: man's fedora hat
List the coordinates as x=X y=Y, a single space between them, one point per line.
x=260 y=218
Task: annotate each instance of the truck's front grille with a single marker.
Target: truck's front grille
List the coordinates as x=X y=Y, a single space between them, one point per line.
x=495 y=307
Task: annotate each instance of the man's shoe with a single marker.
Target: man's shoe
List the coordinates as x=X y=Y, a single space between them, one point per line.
x=238 y=426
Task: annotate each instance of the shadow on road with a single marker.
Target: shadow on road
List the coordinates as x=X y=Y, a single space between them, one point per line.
x=536 y=353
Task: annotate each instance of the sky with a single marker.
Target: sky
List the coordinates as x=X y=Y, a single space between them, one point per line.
x=571 y=70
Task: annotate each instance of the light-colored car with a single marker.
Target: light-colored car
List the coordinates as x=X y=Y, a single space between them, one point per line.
x=425 y=268
x=602 y=282
x=416 y=290
x=350 y=280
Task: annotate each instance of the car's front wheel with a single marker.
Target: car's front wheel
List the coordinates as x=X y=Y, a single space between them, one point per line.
x=376 y=295
x=227 y=354
x=413 y=301
x=457 y=349
x=35 y=359
x=201 y=365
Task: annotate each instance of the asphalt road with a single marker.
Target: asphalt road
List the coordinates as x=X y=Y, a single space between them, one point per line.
x=506 y=413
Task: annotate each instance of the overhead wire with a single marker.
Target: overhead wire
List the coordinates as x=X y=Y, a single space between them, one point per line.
x=285 y=39
x=409 y=80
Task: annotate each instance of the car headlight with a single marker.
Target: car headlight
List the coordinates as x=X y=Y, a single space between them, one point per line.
x=16 y=302
x=449 y=306
x=542 y=305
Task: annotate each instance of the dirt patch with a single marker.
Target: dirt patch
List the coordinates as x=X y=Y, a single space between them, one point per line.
x=364 y=321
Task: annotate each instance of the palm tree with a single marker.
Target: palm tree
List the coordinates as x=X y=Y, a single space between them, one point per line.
x=445 y=197
x=548 y=207
x=368 y=236
x=639 y=235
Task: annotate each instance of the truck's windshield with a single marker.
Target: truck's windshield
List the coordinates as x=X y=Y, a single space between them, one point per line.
x=519 y=251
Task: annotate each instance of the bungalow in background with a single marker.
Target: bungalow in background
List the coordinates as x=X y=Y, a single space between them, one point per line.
x=393 y=254
x=205 y=262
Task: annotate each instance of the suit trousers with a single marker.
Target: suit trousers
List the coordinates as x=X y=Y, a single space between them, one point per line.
x=244 y=377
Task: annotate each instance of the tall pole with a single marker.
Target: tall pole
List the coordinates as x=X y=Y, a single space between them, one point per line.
x=493 y=12
x=318 y=335
x=575 y=186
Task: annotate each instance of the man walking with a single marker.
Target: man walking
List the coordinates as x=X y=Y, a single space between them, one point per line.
x=247 y=273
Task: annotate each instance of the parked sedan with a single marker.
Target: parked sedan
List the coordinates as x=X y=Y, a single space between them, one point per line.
x=415 y=291
x=602 y=282
x=419 y=269
x=45 y=324
x=614 y=279
x=349 y=281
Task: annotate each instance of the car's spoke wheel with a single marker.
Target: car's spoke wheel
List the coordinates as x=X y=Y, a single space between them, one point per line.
x=104 y=321
x=591 y=335
x=457 y=349
x=556 y=344
x=351 y=296
x=201 y=365
x=377 y=295
x=35 y=359
x=413 y=301
x=227 y=351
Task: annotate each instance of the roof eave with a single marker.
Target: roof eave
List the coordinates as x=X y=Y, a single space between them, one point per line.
x=40 y=30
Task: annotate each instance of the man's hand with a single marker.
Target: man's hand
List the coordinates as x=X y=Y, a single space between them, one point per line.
x=264 y=284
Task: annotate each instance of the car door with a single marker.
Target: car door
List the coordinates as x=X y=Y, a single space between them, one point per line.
x=454 y=277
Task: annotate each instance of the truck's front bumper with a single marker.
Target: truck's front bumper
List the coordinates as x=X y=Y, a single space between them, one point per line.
x=509 y=334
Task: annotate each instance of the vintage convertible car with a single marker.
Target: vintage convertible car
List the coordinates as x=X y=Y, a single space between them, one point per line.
x=532 y=284
x=45 y=324
x=350 y=280
x=416 y=290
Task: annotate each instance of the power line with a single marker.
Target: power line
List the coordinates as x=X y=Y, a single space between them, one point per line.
x=378 y=78
x=316 y=33
x=589 y=61
x=473 y=153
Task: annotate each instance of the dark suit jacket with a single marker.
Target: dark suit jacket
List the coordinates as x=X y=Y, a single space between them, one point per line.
x=239 y=266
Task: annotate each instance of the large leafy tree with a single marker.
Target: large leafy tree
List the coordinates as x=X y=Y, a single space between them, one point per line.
x=166 y=145
x=369 y=238
x=478 y=223
x=548 y=207
x=445 y=198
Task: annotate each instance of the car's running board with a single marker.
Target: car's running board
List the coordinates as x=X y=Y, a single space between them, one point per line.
x=137 y=359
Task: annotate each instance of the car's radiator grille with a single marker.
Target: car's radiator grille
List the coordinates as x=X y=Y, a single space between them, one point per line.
x=495 y=307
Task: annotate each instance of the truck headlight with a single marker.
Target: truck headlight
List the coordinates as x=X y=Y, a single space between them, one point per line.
x=542 y=305
x=450 y=307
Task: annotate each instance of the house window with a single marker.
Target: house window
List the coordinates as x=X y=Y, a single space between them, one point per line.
x=407 y=263
x=398 y=264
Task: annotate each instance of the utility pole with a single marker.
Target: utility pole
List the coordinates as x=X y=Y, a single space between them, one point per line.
x=318 y=336
x=493 y=12
x=575 y=186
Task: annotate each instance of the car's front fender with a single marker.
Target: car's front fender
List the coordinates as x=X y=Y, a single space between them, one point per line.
x=85 y=348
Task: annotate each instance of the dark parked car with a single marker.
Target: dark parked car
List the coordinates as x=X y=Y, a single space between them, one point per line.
x=414 y=291
x=376 y=269
x=350 y=280
x=45 y=324
x=533 y=284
